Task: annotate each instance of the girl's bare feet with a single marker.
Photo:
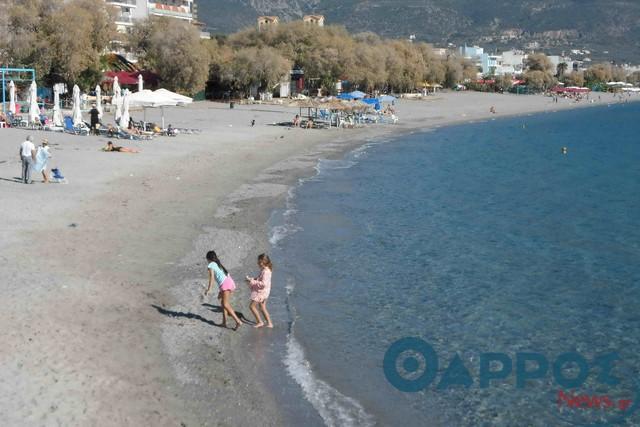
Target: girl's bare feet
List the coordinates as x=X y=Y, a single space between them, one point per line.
x=258 y=325
x=238 y=324
x=270 y=325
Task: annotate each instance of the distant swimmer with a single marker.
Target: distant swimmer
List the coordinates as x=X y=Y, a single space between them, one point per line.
x=564 y=150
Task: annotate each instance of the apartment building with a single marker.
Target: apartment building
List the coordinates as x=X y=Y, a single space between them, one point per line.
x=131 y=10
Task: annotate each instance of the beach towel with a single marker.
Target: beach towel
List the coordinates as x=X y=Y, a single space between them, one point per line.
x=42 y=157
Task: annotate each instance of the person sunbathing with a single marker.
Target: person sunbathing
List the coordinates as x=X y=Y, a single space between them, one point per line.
x=118 y=149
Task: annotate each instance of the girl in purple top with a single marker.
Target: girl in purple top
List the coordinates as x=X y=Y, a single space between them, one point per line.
x=221 y=277
x=260 y=289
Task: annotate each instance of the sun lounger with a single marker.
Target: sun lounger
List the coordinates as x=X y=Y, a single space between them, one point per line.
x=76 y=130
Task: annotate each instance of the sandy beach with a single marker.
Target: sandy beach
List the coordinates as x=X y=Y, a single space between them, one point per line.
x=102 y=321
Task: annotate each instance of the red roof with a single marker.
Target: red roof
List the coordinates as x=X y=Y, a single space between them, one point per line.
x=124 y=78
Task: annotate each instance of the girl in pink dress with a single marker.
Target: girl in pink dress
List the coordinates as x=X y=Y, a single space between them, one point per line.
x=260 y=289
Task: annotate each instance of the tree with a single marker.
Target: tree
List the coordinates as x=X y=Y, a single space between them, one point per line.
x=539 y=62
x=538 y=80
x=262 y=67
x=540 y=72
x=79 y=33
x=504 y=82
x=598 y=74
x=575 y=78
x=57 y=38
x=174 y=50
x=561 y=69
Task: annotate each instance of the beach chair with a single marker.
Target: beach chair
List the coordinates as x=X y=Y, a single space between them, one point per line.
x=56 y=176
x=76 y=130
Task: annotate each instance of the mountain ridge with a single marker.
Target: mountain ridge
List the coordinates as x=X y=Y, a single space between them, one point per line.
x=550 y=25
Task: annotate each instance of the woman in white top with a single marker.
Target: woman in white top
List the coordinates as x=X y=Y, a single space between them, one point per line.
x=42 y=158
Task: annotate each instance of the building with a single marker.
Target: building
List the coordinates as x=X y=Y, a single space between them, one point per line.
x=442 y=52
x=513 y=62
x=178 y=9
x=128 y=11
x=266 y=22
x=471 y=52
x=314 y=20
x=491 y=64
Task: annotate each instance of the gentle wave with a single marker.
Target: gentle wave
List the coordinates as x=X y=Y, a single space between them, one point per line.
x=335 y=408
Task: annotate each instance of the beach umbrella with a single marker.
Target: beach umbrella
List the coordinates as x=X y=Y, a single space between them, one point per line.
x=99 y=101
x=140 y=83
x=116 y=99
x=180 y=99
x=158 y=99
x=34 y=110
x=12 y=97
x=76 y=113
x=57 y=114
x=124 y=120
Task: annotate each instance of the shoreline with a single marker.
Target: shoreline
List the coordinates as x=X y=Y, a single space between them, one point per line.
x=112 y=251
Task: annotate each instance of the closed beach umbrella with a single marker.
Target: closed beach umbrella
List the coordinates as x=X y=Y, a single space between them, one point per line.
x=140 y=83
x=34 y=111
x=99 y=101
x=12 y=97
x=116 y=99
x=124 y=120
x=57 y=114
x=76 y=113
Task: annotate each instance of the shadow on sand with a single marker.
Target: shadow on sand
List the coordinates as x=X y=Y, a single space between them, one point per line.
x=211 y=307
x=178 y=314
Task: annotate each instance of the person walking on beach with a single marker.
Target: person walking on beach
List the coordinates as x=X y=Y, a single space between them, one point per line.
x=41 y=159
x=27 y=155
x=260 y=289
x=222 y=278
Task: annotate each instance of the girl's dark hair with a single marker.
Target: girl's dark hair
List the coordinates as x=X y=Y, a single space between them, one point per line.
x=265 y=260
x=212 y=257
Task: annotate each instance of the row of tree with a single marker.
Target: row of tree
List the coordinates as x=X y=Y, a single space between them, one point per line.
x=67 y=40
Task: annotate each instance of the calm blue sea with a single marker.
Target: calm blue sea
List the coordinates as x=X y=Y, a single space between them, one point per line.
x=475 y=238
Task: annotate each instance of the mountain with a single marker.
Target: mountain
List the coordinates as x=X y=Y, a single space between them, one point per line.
x=609 y=29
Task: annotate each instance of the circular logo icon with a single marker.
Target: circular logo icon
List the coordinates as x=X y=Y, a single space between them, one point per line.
x=410 y=364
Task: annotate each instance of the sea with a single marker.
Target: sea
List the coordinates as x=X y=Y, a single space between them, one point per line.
x=481 y=274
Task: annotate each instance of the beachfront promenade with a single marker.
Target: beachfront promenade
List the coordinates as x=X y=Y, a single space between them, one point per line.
x=101 y=274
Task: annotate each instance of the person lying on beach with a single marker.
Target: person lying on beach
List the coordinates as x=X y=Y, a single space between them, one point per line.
x=226 y=286
x=260 y=288
x=117 y=149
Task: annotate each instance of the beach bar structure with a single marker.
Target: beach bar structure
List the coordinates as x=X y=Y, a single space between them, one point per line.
x=15 y=75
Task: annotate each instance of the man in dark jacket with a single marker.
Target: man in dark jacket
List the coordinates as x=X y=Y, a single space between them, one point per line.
x=95 y=119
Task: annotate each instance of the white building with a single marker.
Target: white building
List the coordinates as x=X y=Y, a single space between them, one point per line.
x=131 y=10
x=513 y=62
x=471 y=52
x=491 y=64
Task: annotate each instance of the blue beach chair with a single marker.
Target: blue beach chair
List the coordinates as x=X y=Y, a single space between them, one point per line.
x=76 y=130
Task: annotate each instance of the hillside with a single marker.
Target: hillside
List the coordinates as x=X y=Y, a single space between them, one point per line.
x=554 y=25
